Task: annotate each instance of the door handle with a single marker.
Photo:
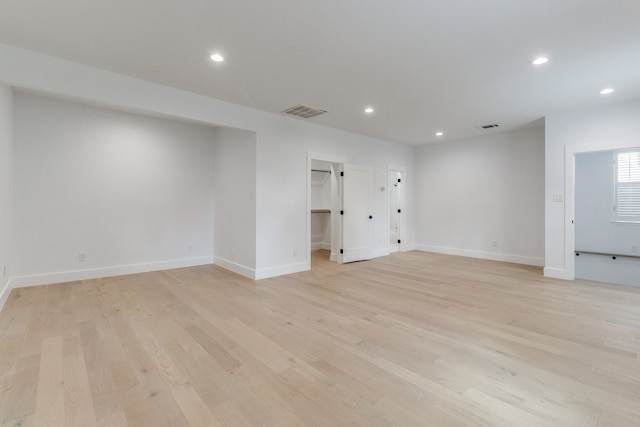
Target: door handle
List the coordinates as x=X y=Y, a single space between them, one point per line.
x=370 y=217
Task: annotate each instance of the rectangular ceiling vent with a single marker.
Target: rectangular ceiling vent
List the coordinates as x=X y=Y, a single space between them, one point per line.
x=304 y=111
x=495 y=125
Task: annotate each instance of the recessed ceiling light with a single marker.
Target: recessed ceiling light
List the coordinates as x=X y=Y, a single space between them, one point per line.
x=216 y=57
x=368 y=110
x=540 y=60
x=439 y=133
x=607 y=91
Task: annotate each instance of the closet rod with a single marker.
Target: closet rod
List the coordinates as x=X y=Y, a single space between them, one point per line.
x=320 y=170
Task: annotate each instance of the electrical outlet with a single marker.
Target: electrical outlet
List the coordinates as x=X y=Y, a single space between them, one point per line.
x=82 y=257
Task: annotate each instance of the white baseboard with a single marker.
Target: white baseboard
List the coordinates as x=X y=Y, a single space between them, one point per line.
x=95 y=273
x=4 y=293
x=235 y=267
x=494 y=256
x=406 y=247
x=380 y=252
x=556 y=273
x=265 y=273
x=320 y=245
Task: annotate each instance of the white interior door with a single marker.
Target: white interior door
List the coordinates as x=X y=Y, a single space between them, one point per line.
x=357 y=216
x=395 y=192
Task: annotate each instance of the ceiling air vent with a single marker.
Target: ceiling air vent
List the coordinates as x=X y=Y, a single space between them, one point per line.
x=495 y=125
x=304 y=111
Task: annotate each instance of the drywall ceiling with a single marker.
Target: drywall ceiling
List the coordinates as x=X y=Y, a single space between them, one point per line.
x=424 y=66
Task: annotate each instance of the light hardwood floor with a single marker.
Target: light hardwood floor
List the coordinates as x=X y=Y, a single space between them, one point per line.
x=413 y=339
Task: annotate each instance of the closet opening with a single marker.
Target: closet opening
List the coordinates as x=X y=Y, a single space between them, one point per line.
x=340 y=216
x=324 y=211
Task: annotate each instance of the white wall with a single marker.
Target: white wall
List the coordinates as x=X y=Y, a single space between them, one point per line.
x=475 y=192
x=133 y=193
x=234 y=181
x=607 y=127
x=281 y=162
x=6 y=190
x=282 y=187
x=281 y=158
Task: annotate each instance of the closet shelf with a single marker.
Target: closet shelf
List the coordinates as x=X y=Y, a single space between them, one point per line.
x=320 y=210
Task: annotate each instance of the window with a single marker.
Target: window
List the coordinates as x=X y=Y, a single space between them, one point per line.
x=627 y=191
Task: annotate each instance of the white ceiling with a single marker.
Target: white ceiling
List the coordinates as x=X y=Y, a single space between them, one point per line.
x=424 y=65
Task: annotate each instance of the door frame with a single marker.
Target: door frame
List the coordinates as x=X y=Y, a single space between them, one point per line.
x=569 y=190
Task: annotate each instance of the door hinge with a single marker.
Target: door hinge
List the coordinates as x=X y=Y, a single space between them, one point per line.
x=399 y=210
x=341 y=251
x=399 y=180
x=399 y=242
x=341 y=173
x=341 y=212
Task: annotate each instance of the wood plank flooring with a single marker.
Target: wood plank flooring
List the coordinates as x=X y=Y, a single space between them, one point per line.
x=413 y=339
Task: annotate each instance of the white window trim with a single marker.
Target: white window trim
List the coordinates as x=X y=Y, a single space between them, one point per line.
x=634 y=218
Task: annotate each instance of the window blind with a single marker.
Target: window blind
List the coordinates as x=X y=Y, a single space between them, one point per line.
x=628 y=185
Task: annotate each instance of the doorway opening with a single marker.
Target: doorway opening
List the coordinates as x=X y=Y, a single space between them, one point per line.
x=323 y=208
x=606 y=227
x=339 y=216
x=571 y=152
x=324 y=205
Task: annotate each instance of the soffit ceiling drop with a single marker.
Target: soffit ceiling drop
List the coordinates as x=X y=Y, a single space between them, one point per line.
x=425 y=66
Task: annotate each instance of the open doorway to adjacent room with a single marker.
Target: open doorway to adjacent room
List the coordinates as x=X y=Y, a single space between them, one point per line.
x=599 y=244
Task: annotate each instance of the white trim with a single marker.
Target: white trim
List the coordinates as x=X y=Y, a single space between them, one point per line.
x=266 y=273
x=4 y=294
x=556 y=273
x=377 y=253
x=321 y=245
x=517 y=259
x=95 y=273
x=408 y=247
x=632 y=186
x=235 y=267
